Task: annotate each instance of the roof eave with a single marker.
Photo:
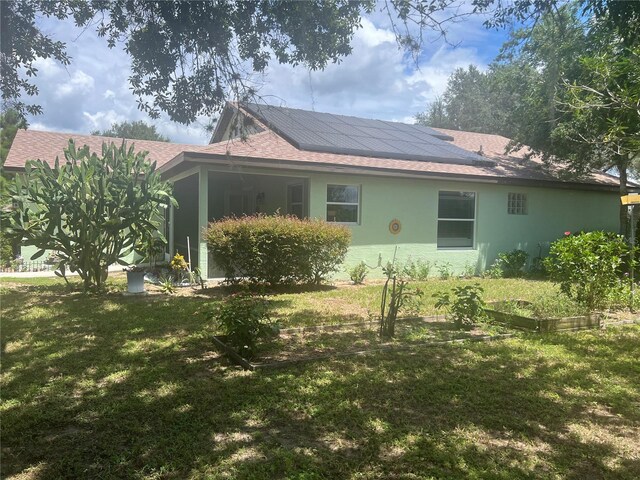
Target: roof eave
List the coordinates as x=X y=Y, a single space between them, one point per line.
x=340 y=168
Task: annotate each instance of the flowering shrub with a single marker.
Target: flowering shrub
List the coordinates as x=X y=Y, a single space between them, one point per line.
x=277 y=249
x=587 y=266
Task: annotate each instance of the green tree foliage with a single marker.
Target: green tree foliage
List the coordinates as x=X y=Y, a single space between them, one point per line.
x=605 y=104
x=516 y=96
x=476 y=101
x=136 y=130
x=549 y=53
x=435 y=115
x=186 y=72
x=465 y=98
x=10 y=123
x=93 y=210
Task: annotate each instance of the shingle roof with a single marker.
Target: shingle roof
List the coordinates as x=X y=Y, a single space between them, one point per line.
x=272 y=148
x=494 y=147
x=46 y=146
x=269 y=148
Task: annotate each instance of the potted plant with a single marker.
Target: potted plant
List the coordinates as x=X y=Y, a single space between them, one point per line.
x=148 y=248
x=135 y=278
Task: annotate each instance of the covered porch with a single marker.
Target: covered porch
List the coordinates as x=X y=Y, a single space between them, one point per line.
x=206 y=194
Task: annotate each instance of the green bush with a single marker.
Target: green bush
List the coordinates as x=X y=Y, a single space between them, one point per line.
x=244 y=319
x=444 y=270
x=494 y=271
x=358 y=273
x=587 y=266
x=465 y=304
x=277 y=249
x=417 y=270
x=512 y=263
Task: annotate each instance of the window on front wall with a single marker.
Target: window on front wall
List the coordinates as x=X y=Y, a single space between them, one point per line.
x=343 y=203
x=456 y=219
x=517 y=204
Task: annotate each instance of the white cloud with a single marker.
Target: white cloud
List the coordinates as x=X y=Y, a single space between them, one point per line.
x=377 y=81
x=108 y=94
x=79 y=84
x=372 y=36
x=102 y=120
x=47 y=67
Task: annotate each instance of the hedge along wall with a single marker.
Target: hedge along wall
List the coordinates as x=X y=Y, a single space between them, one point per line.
x=277 y=249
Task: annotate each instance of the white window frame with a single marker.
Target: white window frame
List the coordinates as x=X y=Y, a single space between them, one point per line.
x=474 y=220
x=520 y=197
x=326 y=194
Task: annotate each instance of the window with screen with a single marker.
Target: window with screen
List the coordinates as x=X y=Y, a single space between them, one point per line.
x=343 y=203
x=456 y=219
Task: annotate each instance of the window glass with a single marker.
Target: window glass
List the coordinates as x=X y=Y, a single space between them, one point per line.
x=342 y=213
x=296 y=193
x=456 y=219
x=297 y=210
x=343 y=203
x=457 y=205
x=342 y=193
x=453 y=234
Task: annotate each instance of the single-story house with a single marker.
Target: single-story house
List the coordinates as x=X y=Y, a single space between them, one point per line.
x=422 y=193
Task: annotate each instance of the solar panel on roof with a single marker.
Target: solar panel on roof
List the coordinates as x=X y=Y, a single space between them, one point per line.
x=326 y=132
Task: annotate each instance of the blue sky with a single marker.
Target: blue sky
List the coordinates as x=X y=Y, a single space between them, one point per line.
x=376 y=81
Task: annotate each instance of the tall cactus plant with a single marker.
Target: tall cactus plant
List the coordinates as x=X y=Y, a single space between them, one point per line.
x=94 y=210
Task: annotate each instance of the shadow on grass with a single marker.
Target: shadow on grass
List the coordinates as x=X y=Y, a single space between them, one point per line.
x=117 y=387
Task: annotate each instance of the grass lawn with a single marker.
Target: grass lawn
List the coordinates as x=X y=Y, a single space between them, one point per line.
x=122 y=387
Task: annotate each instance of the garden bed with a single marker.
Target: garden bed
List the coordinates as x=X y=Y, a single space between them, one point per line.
x=298 y=345
x=502 y=312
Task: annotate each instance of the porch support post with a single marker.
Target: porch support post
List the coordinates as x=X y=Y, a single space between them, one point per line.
x=203 y=220
x=171 y=238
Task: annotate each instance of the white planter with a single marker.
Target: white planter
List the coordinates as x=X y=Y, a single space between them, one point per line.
x=135 y=282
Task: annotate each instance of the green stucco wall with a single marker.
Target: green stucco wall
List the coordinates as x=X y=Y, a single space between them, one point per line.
x=414 y=202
